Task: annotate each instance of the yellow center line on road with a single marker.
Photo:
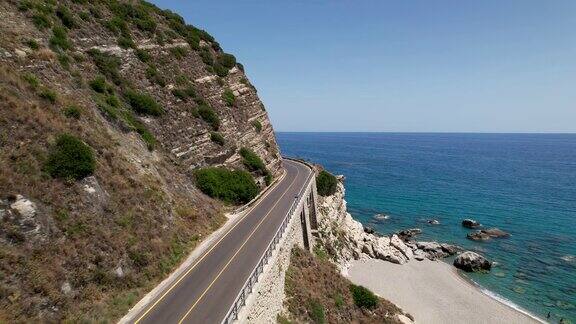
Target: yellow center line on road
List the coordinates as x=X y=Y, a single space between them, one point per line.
x=239 y=249
x=208 y=252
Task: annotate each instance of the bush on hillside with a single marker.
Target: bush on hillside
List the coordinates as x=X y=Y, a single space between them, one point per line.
x=326 y=183
x=65 y=16
x=70 y=159
x=227 y=60
x=209 y=116
x=235 y=187
x=59 y=39
x=217 y=138
x=109 y=65
x=252 y=161
x=363 y=297
x=72 y=112
x=257 y=125
x=229 y=97
x=99 y=85
x=143 y=103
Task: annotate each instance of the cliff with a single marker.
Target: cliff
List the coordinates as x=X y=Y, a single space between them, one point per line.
x=154 y=100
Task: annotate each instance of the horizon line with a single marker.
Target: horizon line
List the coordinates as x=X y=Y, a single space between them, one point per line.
x=432 y=132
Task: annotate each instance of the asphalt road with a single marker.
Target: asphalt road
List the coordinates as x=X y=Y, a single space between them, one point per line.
x=205 y=292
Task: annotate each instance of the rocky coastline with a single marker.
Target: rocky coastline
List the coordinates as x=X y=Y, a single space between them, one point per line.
x=346 y=239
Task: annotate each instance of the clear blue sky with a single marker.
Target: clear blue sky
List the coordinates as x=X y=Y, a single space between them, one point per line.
x=396 y=65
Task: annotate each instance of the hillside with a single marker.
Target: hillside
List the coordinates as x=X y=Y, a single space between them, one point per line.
x=108 y=110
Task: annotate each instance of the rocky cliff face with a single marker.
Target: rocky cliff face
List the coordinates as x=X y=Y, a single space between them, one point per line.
x=155 y=99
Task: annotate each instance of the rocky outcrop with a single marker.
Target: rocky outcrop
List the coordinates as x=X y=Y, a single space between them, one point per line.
x=487 y=234
x=471 y=262
x=408 y=234
x=470 y=223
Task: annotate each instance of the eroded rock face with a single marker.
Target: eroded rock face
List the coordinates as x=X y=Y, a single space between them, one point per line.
x=470 y=223
x=471 y=262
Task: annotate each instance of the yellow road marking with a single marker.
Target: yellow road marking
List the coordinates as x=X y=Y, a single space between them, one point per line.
x=207 y=252
x=241 y=246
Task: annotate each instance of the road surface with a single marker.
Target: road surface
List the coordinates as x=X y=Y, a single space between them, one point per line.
x=205 y=291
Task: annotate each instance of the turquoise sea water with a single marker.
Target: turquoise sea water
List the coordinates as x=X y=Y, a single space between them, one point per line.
x=524 y=184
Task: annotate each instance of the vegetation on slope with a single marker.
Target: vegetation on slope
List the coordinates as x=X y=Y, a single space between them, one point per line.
x=255 y=164
x=326 y=183
x=231 y=186
x=130 y=215
x=317 y=293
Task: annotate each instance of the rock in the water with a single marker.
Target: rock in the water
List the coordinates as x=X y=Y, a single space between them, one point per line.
x=433 y=222
x=381 y=217
x=495 y=232
x=471 y=261
x=368 y=230
x=470 y=223
x=483 y=235
x=409 y=233
x=478 y=236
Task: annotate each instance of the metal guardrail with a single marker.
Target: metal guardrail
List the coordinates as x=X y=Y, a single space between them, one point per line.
x=246 y=290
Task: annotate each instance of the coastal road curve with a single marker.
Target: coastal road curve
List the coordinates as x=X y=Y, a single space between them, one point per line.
x=206 y=290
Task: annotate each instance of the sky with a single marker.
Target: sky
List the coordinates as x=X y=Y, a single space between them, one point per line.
x=402 y=65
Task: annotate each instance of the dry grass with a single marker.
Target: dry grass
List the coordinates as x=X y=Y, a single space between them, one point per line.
x=315 y=287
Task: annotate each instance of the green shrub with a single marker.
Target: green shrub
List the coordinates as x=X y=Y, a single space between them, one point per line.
x=316 y=312
x=72 y=112
x=64 y=60
x=84 y=15
x=220 y=70
x=31 y=79
x=227 y=60
x=209 y=116
x=99 y=85
x=141 y=129
x=109 y=65
x=48 y=95
x=65 y=16
x=363 y=297
x=206 y=56
x=326 y=183
x=32 y=43
x=59 y=39
x=126 y=42
x=229 y=97
x=70 y=158
x=143 y=55
x=217 y=138
x=154 y=76
x=252 y=161
x=118 y=26
x=184 y=93
x=179 y=52
x=41 y=21
x=235 y=187
x=257 y=125
x=143 y=103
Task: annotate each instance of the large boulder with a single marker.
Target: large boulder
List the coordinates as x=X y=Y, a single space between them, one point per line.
x=478 y=236
x=483 y=235
x=450 y=249
x=470 y=223
x=383 y=250
x=433 y=250
x=396 y=242
x=471 y=262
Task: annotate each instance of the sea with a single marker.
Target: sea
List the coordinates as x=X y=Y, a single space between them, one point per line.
x=524 y=184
